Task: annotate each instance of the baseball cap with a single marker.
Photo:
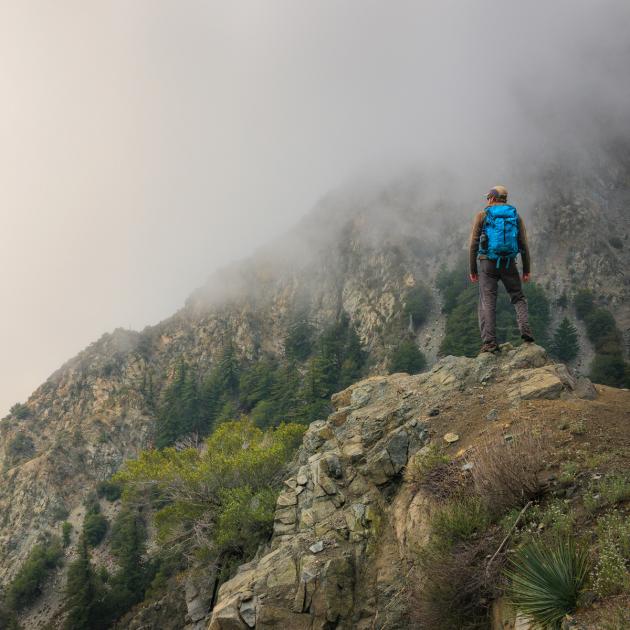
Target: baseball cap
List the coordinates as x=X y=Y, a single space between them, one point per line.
x=497 y=191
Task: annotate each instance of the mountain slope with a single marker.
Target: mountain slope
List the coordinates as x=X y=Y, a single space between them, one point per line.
x=357 y=255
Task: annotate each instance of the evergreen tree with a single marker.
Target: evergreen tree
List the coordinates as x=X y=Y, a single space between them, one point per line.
x=462 y=327
x=452 y=284
x=256 y=383
x=284 y=392
x=212 y=398
x=228 y=370
x=565 y=341
x=128 y=546
x=602 y=331
x=179 y=412
x=610 y=369
x=81 y=592
x=298 y=344
x=584 y=303
x=353 y=359
x=407 y=357
x=418 y=302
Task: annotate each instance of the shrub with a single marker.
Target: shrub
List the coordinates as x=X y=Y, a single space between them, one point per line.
x=607 y=491
x=458 y=520
x=20 y=411
x=94 y=528
x=27 y=584
x=407 y=357
x=223 y=483
x=584 y=303
x=616 y=242
x=455 y=587
x=20 y=448
x=66 y=533
x=506 y=474
x=546 y=579
x=610 y=369
x=600 y=327
x=8 y=620
x=424 y=462
x=109 y=490
x=610 y=576
x=614 y=489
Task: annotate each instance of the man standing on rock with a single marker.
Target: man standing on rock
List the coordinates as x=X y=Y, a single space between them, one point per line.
x=498 y=236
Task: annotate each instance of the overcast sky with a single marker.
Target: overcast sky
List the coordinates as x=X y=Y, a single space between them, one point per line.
x=144 y=143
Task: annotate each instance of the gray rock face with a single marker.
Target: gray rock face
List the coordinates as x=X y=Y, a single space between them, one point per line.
x=338 y=545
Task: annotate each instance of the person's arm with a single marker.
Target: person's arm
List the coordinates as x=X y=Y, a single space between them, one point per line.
x=523 y=246
x=473 y=249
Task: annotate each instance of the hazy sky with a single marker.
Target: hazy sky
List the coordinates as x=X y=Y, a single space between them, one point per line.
x=144 y=143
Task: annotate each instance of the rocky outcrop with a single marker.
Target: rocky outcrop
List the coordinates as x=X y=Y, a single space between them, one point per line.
x=345 y=522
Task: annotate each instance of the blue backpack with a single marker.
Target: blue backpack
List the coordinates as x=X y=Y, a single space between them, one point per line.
x=501 y=231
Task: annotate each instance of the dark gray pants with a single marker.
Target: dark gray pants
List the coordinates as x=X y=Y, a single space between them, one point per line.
x=489 y=277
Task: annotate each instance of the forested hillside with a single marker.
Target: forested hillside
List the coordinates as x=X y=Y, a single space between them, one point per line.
x=125 y=476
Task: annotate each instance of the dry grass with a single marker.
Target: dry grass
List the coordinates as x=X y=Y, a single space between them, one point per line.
x=507 y=474
x=456 y=591
x=432 y=471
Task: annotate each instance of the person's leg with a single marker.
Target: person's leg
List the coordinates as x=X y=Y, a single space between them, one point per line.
x=512 y=282
x=487 y=309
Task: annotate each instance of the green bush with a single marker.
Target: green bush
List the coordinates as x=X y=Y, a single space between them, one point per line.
x=8 y=619
x=614 y=489
x=601 y=328
x=459 y=520
x=94 y=528
x=407 y=357
x=228 y=484
x=424 y=462
x=28 y=582
x=610 y=576
x=546 y=579
x=584 y=303
x=611 y=370
x=109 y=490
x=20 y=448
x=66 y=533
x=20 y=411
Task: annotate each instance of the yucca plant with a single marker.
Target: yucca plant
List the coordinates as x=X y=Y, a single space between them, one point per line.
x=546 y=579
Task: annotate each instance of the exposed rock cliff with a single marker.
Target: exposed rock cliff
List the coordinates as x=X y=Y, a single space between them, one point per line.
x=347 y=524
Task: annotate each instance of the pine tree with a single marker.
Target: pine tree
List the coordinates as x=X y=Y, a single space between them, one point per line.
x=256 y=383
x=179 y=412
x=81 y=591
x=128 y=545
x=565 y=341
x=584 y=303
x=418 y=304
x=298 y=344
x=407 y=357
x=228 y=369
x=353 y=360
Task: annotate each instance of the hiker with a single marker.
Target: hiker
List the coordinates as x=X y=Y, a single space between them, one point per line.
x=498 y=236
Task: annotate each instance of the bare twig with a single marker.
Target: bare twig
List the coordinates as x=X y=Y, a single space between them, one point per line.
x=498 y=551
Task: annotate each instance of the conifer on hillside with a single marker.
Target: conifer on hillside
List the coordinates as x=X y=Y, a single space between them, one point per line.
x=565 y=344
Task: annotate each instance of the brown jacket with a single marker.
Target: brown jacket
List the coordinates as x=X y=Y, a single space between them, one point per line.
x=475 y=235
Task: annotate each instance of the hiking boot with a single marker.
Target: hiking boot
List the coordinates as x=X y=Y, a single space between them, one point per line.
x=490 y=347
x=527 y=338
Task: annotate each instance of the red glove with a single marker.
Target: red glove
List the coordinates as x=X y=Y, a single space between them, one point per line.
x=474 y=277
x=527 y=277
